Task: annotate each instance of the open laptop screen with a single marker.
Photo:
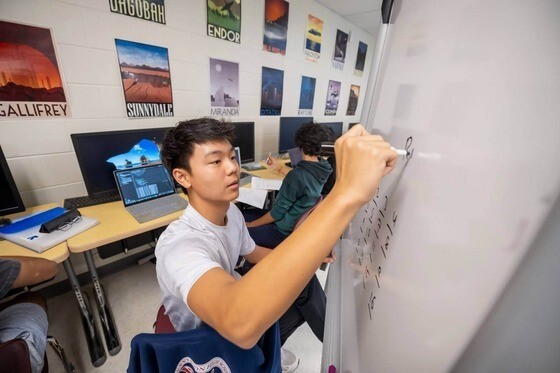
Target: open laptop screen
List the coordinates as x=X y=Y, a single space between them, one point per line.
x=144 y=183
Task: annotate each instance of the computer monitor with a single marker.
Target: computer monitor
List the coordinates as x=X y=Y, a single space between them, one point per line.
x=245 y=140
x=336 y=126
x=352 y=124
x=101 y=153
x=288 y=129
x=10 y=199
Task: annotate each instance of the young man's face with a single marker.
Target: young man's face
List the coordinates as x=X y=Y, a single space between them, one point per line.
x=214 y=175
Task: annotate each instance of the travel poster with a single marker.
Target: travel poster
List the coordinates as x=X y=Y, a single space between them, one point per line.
x=30 y=82
x=353 y=100
x=306 y=95
x=224 y=19
x=224 y=87
x=360 y=59
x=276 y=13
x=313 y=38
x=272 y=91
x=146 y=79
x=333 y=94
x=150 y=10
x=340 y=50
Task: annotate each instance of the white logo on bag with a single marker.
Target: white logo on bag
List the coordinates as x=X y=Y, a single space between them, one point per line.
x=187 y=365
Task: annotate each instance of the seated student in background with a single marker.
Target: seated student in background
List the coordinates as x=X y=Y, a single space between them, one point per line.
x=300 y=189
x=196 y=254
x=279 y=167
x=25 y=317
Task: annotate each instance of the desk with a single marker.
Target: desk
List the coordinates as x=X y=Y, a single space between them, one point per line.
x=58 y=253
x=115 y=224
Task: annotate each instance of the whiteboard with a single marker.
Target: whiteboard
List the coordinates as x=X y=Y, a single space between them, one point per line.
x=473 y=89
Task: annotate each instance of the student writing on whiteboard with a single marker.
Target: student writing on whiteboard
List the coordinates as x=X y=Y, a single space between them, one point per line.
x=196 y=254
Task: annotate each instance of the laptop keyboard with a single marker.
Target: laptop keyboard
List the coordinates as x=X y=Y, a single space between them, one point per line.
x=158 y=204
x=98 y=199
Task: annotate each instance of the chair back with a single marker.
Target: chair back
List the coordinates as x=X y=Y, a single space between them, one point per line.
x=203 y=350
x=163 y=323
x=14 y=355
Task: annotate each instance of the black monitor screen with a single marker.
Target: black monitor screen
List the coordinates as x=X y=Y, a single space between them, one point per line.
x=288 y=129
x=245 y=140
x=100 y=153
x=352 y=125
x=10 y=200
x=336 y=126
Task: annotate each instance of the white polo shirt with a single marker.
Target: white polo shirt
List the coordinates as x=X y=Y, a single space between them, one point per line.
x=190 y=247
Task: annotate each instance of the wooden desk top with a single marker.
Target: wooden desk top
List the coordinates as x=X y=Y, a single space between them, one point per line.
x=267 y=173
x=58 y=253
x=115 y=224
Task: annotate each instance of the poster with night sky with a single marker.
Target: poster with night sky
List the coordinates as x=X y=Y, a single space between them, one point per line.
x=146 y=79
x=224 y=87
x=272 y=91
x=276 y=14
x=360 y=59
x=30 y=82
x=339 y=55
x=306 y=95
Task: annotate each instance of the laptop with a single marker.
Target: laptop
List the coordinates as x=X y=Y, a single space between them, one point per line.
x=249 y=166
x=295 y=156
x=244 y=178
x=148 y=192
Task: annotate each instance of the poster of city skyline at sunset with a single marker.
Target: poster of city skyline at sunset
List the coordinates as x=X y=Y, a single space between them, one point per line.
x=30 y=81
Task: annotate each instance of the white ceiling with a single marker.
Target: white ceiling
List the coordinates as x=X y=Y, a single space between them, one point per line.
x=366 y=14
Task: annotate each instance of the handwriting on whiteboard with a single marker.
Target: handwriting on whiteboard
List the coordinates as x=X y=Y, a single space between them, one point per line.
x=372 y=246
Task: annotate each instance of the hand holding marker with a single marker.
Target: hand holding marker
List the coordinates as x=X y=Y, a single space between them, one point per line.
x=329 y=147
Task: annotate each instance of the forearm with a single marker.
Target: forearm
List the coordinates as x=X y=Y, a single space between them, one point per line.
x=267 y=291
x=34 y=271
x=263 y=220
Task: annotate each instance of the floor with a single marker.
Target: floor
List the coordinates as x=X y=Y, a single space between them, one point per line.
x=134 y=297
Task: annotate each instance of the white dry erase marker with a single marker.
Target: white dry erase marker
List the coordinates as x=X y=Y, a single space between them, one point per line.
x=399 y=151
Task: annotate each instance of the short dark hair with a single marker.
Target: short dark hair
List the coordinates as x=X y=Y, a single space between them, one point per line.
x=310 y=136
x=178 y=144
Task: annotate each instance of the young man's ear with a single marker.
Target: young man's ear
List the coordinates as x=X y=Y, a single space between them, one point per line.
x=182 y=177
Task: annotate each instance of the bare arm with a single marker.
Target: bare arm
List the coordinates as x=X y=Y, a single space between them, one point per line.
x=34 y=271
x=263 y=220
x=243 y=310
x=277 y=166
x=257 y=254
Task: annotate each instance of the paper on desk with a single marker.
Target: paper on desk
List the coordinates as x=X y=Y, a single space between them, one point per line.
x=253 y=197
x=268 y=184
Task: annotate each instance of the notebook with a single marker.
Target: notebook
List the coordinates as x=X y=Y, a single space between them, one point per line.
x=26 y=232
x=148 y=192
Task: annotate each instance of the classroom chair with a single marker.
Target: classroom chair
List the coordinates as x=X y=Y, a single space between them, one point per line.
x=200 y=350
x=14 y=355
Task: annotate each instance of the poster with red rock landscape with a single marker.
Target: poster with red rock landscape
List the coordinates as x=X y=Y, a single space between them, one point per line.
x=30 y=83
x=146 y=79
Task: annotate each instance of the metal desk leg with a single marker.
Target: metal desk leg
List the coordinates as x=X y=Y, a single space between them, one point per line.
x=93 y=337
x=104 y=308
